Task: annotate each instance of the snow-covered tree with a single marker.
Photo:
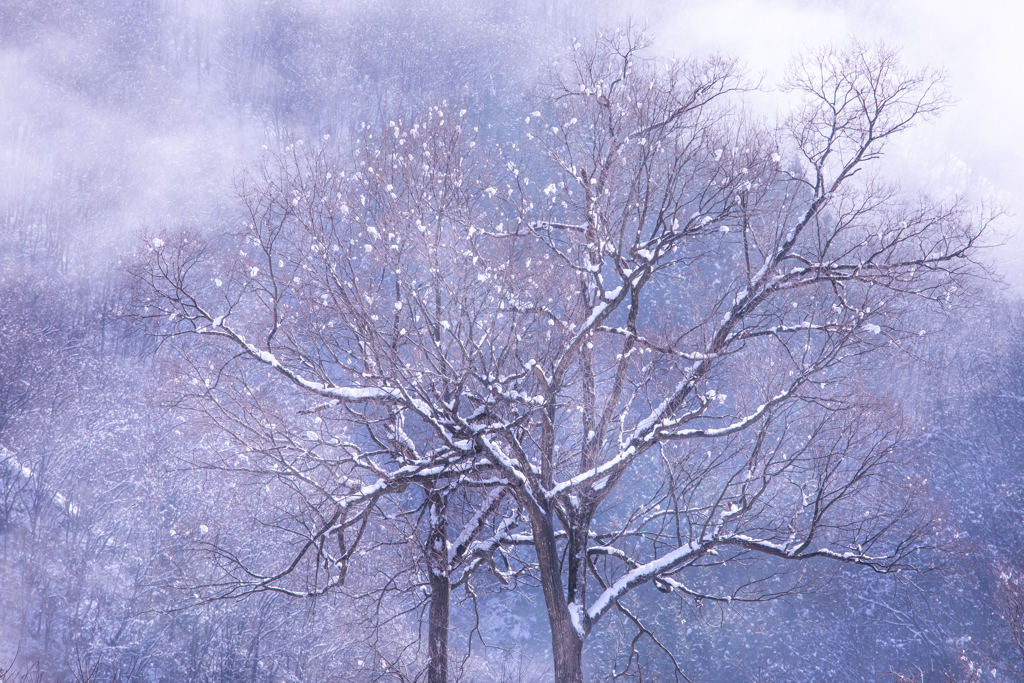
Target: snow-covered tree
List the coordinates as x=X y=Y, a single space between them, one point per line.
x=654 y=324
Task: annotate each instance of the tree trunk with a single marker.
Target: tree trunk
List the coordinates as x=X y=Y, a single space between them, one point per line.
x=437 y=629
x=566 y=641
x=440 y=589
x=567 y=647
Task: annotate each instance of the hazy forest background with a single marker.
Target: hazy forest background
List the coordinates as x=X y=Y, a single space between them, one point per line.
x=126 y=123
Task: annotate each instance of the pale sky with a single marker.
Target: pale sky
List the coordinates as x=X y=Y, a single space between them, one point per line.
x=977 y=146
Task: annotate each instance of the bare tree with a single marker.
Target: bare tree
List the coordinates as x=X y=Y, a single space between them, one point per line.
x=313 y=261
x=652 y=323
x=718 y=311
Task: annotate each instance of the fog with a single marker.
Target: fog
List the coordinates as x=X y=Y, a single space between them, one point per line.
x=145 y=115
x=148 y=150
x=971 y=148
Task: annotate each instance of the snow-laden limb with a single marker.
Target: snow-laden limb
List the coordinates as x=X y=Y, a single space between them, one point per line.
x=518 y=479
x=619 y=460
x=551 y=225
x=879 y=563
x=738 y=425
x=644 y=573
x=481 y=550
x=341 y=394
x=776 y=330
x=647 y=343
x=656 y=570
x=646 y=427
x=460 y=545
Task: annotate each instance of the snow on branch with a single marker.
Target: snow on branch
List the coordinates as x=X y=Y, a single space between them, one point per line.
x=644 y=573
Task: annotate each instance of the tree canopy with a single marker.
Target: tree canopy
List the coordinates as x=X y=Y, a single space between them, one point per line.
x=641 y=337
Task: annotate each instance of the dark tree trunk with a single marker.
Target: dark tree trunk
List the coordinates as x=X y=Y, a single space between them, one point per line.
x=566 y=641
x=567 y=647
x=440 y=589
x=440 y=592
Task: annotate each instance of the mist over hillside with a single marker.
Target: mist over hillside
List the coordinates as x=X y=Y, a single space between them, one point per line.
x=524 y=341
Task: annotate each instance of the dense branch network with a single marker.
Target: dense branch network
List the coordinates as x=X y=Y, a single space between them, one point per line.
x=639 y=329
